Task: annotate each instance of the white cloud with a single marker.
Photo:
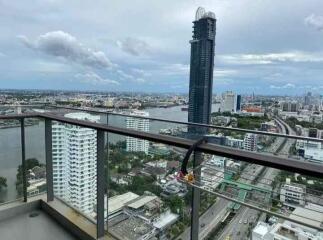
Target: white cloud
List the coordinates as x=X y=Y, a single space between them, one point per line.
x=176 y=69
x=219 y=73
x=286 y=86
x=95 y=79
x=134 y=46
x=179 y=69
x=140 y=80
x=2 y=54
x=141 y=72
x=64 y=45
x=125 y=76
x=314 y=21
x=270 y=58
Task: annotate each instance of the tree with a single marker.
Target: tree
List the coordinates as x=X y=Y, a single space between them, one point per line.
x=141 y=184
x=3 y=182
x=30 y=163
x=175 y=203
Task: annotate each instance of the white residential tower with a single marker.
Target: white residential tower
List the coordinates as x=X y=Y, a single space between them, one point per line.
x=74 y=162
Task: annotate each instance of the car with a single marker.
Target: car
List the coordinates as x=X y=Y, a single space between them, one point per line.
x=240 y=221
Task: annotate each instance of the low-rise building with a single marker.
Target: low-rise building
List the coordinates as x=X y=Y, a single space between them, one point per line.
x=234 y=142
x=136 y=217
x=261 y=232
x=157 y=172
x=174 y=187
x=292 y=193
x=289 y=230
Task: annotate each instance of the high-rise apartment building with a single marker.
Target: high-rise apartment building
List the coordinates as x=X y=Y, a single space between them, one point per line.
x=140 y=124
x=289 y=106
x=229 y=102
x=250 y=142
x=74 y=162
x=308 y=99
x=201 y=67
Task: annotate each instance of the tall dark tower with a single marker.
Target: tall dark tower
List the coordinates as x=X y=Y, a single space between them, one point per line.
x=201 y=69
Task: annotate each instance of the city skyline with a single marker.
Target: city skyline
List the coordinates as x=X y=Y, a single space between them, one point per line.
x=155 y=58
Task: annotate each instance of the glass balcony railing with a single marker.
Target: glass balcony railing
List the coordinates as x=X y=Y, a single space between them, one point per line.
x=121 y=174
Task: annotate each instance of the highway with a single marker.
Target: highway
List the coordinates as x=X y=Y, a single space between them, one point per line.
x=218 y=210
x=237 y=228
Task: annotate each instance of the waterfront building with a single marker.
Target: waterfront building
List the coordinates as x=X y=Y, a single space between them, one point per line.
x=140 y=124
x=74 y=162
x=201 y=67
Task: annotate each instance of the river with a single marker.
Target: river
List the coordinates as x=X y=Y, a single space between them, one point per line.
x=10 y=146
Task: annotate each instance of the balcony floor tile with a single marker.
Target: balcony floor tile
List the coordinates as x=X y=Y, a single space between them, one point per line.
x=33 y=228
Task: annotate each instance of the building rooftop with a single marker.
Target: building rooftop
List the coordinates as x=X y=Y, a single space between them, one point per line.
x=141 y=201
x=116 y=203
x=165 y=220
x=131 y=228
x=261 y=229
x=308 y=216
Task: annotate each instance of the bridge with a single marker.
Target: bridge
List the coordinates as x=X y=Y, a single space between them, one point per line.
x=244 y=189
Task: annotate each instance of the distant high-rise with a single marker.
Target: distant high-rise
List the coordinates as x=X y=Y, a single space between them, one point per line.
x=238 y=107
x=229 y=102
x=308 y=99
x=140 y=124
x=201 y=67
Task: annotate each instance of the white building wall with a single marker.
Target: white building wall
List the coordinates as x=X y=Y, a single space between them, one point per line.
x=74 y=163
x=229 y=102
x=135 y=144
x=250 y=142
x=292 y=194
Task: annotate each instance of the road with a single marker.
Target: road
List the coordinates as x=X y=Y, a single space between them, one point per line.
x=217 y=211
x=237 y=229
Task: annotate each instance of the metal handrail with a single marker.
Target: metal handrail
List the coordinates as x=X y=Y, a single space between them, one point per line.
x=192 y=124
x=268 y=160
x=306 y=168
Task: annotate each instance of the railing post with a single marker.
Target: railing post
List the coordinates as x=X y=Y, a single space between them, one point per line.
x=107 y=174
x=49 y=159
x=100 y=184
x=23 y=158
x=196 y=198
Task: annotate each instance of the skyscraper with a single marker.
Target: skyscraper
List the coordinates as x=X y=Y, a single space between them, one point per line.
x=201 y=67
x=140 y=124
x=238 y=108
x=308 y=99
x=74 y=163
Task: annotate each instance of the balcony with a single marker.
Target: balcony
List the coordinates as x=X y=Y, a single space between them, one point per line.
x=136 y=195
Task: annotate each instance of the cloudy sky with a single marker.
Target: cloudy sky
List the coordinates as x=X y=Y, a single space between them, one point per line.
x=262 y=46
